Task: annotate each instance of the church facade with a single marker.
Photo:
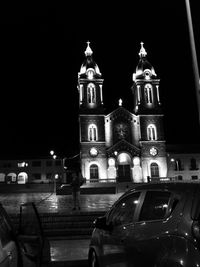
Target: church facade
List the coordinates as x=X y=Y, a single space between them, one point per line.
x=124 y=145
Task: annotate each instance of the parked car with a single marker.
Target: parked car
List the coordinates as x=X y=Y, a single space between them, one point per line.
x=154 y=224
x=25 y=246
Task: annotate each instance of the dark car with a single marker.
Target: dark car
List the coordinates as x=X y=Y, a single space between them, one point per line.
x=154 y=224
x=25 y=246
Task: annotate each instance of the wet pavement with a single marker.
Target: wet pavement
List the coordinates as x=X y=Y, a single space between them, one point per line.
x=63 y=252
x=70 y=250
x=51 y=203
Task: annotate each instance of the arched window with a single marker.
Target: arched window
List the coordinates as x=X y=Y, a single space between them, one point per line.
x=12 y=177
x=22 y=178
x=154 y=170
x=94 y=172
x=148 y=93
x=151 y=132
x=91 y=93
x=92 y=132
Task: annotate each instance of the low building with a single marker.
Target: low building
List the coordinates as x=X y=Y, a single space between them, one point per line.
x=31 y=171
x=183 y=162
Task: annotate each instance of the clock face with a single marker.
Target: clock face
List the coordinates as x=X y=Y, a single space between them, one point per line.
x=93 y=152
x=153 y=151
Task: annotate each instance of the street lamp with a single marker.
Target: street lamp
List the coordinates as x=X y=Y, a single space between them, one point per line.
x=51 y=152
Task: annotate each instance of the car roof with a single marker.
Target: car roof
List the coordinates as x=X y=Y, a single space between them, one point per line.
x=174 y=186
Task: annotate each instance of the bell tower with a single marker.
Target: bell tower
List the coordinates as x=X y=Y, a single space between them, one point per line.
x=90 y=85
x=147 y=107
x=91 y=118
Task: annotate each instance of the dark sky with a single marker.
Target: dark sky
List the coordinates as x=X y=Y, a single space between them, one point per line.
x=42 y=49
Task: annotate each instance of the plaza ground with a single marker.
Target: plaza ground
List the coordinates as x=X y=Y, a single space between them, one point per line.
x=52 y=203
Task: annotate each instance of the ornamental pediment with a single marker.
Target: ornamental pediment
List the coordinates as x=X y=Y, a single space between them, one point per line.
x=120 y=114
x=123 y=146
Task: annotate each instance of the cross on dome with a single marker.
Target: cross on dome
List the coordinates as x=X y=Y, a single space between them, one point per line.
x=142 y=52
x=120 y=102
x=88 y=51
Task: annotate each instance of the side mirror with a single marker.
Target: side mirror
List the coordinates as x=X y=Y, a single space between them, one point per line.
x=100 y=223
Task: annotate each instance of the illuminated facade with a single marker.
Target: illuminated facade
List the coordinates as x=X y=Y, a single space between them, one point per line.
x=123 y=146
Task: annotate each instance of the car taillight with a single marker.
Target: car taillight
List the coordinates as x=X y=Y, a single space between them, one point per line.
x=196 y=230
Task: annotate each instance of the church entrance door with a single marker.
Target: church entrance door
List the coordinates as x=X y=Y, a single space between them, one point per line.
x=124 y=167
x=124 y=173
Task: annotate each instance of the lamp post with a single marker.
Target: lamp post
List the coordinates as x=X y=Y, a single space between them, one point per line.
x=170 y=162
x=54 y=175
x=194 y=55
x=173 y=162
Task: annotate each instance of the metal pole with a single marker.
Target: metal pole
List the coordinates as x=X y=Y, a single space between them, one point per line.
x=54 y=185
x=194 y=56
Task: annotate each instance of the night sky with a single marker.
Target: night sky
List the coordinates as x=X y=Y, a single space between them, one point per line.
x=42 y=49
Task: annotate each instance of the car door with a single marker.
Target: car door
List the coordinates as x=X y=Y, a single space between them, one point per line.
x=9 y=253
x=150 y=234
x=115 y=242
x=36 y=247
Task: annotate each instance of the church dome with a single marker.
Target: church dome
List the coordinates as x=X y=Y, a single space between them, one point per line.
x=144 y=69
x=89 y=66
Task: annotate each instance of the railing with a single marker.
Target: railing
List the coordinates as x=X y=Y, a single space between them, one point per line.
x=169 y=179
x=107 y=180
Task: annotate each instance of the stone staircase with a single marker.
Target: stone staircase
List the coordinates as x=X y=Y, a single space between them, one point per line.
x=76 y=225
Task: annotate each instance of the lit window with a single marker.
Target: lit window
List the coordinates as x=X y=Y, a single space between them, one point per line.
x=92 y=133
x=22 y=164
x=91 y=93
x=148 y=93
x=151 y=132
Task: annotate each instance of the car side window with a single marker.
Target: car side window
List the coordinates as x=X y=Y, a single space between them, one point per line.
x=155 y=206
x=124 y=210
x=5 y=231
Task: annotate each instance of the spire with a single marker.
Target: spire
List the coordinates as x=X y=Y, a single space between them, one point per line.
x=142 y=52
x=88 y=51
